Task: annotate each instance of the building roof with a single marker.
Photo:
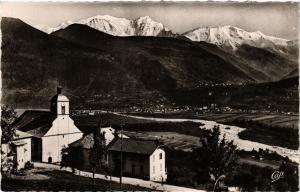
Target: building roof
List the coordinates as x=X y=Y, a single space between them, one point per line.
x=34 y=122
x=87 y=141
x=134 y=146
x=21 y=135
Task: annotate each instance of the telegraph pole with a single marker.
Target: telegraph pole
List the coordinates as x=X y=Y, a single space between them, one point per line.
x=121 y=158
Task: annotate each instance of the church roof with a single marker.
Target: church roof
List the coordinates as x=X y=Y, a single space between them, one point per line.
x=38 y=122
x=59 y=97
x=34 y=122
x=138 y=146
x=21 y=135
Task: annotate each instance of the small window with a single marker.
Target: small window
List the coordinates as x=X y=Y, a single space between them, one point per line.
x=153 y=169
x=63 y=109
x=153 y=158
x=160 y=156
x=160 y=167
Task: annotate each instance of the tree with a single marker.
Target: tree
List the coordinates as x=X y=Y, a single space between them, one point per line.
x=216 y=158
x=8 y=117
x=98 y=152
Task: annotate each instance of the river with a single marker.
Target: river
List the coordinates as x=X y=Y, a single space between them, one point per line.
x=231 y=133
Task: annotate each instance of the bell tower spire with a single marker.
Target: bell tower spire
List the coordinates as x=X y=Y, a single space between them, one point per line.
x=59 y=103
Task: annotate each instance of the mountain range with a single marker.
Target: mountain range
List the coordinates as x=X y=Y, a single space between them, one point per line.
x=226 y=37
x=142 y=26
x=144 y=66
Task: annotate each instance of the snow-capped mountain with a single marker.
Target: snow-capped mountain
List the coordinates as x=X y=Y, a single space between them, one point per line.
x=230 y=37
x=142 y=26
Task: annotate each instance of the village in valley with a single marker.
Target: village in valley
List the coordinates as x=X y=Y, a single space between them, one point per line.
x=152 y=151
x=121 y=102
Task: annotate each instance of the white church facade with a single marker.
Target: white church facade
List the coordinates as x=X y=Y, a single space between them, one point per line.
x=50 y=132
x=63 y=130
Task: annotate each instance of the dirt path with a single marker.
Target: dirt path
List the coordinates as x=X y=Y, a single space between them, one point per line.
x=126 y=180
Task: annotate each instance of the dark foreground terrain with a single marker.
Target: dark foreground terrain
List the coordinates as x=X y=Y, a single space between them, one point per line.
x=39 y=179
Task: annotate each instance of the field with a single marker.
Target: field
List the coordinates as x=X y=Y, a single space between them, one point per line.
x=39 y=179
x=172 y=140
x=88 y=122
x=278 y=120
x=273 y=129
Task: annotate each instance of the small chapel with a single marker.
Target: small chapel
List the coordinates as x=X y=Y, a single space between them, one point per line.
x=47 y=132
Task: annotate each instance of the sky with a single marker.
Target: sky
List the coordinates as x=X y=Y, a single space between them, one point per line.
x=276 y=19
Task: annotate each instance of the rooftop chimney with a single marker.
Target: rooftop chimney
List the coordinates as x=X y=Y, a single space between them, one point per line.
x=59 y=90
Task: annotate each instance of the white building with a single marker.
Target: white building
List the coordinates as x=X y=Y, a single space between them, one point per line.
x=18 y=150
x=62 y=132
x=141 y=158
x=52 y=130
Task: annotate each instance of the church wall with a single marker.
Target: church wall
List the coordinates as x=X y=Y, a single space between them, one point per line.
x=63 y=124
x=60 y=135
x=52 y=145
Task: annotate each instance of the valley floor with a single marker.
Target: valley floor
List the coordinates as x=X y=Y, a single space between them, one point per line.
x=231 y=133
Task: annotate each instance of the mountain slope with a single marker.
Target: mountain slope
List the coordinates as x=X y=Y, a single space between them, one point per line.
x=142 y=26
x=186 y=63
x=277 y=57
x=263 y=57
x=104 y=70
x=33 y=63
x=276 y=96
x=98 y=70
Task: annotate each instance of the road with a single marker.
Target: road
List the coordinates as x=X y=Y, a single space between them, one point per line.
x=125 y=180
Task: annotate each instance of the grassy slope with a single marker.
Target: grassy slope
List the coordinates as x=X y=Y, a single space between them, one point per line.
x=62 y=181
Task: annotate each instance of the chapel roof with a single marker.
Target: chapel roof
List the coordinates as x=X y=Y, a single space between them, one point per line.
x=35 y=122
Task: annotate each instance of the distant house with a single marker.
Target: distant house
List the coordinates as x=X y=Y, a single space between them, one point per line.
x=82 y=147
x=140 y=158
x=50 y=131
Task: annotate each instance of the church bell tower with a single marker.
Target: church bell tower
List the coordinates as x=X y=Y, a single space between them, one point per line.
x=59 y=103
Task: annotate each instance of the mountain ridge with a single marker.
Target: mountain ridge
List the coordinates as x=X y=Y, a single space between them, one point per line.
x=146 y=26
x=98 y=70
x=141 y=26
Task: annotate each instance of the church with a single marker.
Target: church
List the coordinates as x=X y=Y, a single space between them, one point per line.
x=50 y=131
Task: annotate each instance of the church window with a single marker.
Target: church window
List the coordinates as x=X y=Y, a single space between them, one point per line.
x=63 y=109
